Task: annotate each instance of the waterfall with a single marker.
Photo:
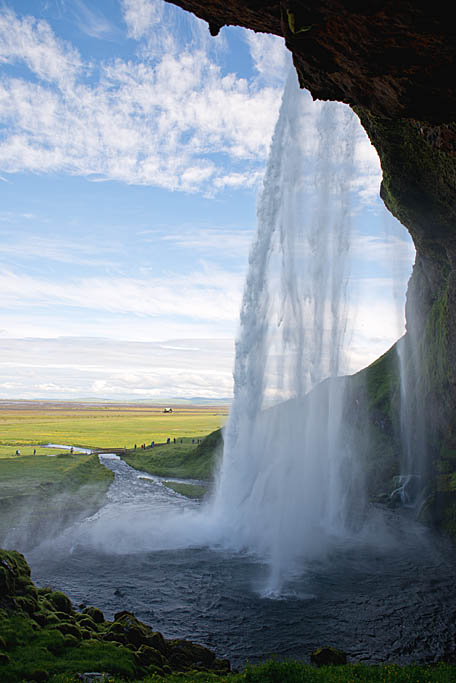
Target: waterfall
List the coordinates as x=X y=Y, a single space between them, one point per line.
x=290 y=472
x=413 y=415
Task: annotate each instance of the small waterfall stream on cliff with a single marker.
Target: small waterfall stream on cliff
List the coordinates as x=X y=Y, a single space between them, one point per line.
x=290 y=472
x=413 y=480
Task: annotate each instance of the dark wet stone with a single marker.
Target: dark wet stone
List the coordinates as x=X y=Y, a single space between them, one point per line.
x=328 y=656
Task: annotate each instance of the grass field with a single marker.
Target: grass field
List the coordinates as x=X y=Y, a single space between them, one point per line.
x=60 y=488
x=26 y=424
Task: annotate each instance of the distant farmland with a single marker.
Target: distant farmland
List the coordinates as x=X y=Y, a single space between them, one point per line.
x=28 y=423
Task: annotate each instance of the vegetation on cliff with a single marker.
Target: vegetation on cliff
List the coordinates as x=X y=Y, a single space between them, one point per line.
x=183 y=460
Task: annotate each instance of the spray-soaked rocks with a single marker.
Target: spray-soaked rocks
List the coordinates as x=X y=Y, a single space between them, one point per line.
x=40 y=630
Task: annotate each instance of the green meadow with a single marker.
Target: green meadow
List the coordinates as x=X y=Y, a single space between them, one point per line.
x=184 y=460
x=38 y=492
x=30 y=426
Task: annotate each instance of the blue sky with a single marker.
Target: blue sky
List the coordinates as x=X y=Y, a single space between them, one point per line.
x=132 y=148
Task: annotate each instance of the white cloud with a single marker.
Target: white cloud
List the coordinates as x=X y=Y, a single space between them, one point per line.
x=270 y=57
x=206 y=294
x=229 y=241
x=92 y=22
x=174 y=123
x=175 y=120
x=117 y=369
x=32 y=42
x=368 y=170
x=386 y=249
x=83 y=252
x=141 y=15
x=238 y=180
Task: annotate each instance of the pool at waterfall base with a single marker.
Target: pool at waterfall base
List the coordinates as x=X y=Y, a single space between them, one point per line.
x=386 y=597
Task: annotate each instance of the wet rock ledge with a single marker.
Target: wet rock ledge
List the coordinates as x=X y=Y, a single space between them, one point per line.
x=42 y=634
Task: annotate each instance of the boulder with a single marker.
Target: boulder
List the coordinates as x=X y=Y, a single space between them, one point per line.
x=184 y=655
x=84 y=621
x=328 y=656
x=145 y=656
x=157 y=641
x=60 y=602
x=95 y=614
x=129 y=628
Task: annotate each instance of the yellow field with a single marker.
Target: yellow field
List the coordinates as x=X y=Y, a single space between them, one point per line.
x=23 y=425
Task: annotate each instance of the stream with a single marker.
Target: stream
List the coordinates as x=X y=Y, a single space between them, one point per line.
x=388 y=596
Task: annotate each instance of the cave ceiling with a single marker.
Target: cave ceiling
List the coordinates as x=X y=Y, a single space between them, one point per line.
x=394 y=58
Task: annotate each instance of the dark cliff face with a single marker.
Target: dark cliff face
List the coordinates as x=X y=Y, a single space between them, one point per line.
x=393 y=62
x=394 y=57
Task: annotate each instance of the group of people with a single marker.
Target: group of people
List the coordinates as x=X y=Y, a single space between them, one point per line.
x=18 y=452
x=168 y=441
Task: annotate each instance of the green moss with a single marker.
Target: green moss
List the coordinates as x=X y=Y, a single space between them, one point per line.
x=60 y=602
x=95 y=614
x=373 y=396
x=433 y=350
x=382 y=382
x=85 y=622
x=293 y=25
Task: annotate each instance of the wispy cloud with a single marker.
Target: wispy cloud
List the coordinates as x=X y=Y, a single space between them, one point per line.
x=173 y=123
x=174 y=119
x=387 y=249
x=57 y=367
x=270 y=57
x=206 y=294
x=141 y=15
x=13 y=217
x=207 y=239
x=93 y=22
x=33 y=43
x=82 y=253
